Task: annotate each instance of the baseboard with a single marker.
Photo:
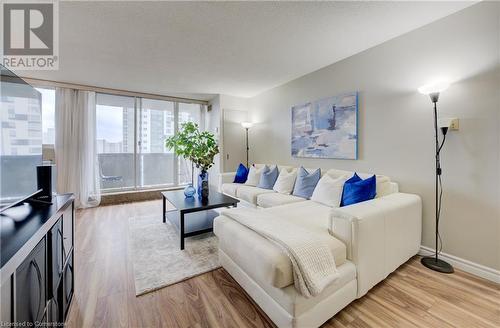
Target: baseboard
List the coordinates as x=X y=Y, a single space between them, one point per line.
x=465 y=265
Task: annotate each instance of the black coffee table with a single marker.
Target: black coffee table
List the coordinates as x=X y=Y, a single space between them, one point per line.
x=202 y=215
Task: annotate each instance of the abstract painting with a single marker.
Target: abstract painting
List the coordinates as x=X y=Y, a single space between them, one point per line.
x=326 y=128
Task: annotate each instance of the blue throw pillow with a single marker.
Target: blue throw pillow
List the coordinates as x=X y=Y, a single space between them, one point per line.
x=357 y=190
x=305 y=183
x=268 y=177
x=241 y=174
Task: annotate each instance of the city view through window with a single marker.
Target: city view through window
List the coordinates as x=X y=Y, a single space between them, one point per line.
x=20 y=138
x=130 y=138
x=48 y=115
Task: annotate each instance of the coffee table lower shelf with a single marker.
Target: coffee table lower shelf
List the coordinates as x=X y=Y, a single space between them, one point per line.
x=191 y=224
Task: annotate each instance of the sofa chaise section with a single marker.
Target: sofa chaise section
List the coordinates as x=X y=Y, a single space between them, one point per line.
x=378 y=235
x=274 y=267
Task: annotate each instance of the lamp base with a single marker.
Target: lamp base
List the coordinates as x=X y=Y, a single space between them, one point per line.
x=437 y=265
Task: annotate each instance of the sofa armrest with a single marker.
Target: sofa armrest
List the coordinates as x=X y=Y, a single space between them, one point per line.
x=380 y=235
x=227 y=177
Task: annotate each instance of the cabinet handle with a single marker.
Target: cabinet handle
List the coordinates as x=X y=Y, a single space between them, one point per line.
x=59 y=232
x=39 y=276
x=56 y=305
x=70 y=268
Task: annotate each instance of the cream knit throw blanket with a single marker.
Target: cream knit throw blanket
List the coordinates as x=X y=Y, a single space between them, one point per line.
x=312 y=261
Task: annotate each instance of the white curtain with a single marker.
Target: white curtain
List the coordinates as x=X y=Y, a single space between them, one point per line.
x=75 y=146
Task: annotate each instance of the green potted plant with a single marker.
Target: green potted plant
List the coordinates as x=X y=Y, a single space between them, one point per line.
x=199 y=147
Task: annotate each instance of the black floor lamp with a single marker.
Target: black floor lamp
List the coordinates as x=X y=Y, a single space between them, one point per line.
x=433 y=262
x=247 y=126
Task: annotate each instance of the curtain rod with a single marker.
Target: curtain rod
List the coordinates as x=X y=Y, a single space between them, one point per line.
x=48 y=83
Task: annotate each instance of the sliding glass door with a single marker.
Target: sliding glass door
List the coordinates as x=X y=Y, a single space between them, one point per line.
x=115 y=130
x=187 y=113
x=131 y=133
x=155 y=162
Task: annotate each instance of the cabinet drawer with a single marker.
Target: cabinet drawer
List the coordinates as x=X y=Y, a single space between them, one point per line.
x=67 y=226
x=6 y=302
x=30 y=286
x=68 y=283
x=56 y=260
x=54 y=309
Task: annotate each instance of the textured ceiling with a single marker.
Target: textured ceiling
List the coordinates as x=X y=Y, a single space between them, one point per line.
x=199 y=49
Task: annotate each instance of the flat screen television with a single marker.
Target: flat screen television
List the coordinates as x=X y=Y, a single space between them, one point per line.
x=21 y=139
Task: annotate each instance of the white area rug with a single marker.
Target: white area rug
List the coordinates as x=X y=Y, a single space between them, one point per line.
x=158 y=261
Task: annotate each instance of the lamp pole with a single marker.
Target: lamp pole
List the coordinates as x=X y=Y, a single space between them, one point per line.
x=246 y=129
x=438 y=169
x=433 y=262
x=247 y=126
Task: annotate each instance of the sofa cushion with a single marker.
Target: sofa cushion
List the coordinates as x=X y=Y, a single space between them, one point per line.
x=230 y=188
x=306 y=182
x=247 y=248
x=286 y=180
x=268 y=177
x=276 y=199
x=254 y=174
x=384 y=186
x=310 y=214
x=249 y=193
x=357 y=190
x=328 y=191
x=241 y=174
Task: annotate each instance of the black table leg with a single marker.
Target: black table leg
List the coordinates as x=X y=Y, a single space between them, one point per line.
x=164 y=209
x=182 y=229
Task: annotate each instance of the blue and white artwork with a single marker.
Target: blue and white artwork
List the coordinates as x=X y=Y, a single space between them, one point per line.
x=326 y=128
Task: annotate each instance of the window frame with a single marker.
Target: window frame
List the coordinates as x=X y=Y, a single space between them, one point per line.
x=52 y=85
x=50 y=145
x=138 y=116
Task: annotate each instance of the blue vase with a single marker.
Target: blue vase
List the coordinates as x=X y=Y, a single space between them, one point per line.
x=189 y=191
x=203 y=184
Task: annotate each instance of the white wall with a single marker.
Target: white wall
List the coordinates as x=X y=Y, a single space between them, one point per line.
x=233 y=112
x=213 y=124
x=396 y=123
x=234 y=151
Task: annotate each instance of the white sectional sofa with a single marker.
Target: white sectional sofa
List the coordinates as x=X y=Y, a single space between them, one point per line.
x=369 y=240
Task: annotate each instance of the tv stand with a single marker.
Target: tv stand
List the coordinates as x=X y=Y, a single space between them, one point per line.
x=35 y=201
x=37 y=262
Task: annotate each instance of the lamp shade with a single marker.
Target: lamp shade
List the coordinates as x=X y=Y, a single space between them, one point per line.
x=247 y=125
x=435 y=87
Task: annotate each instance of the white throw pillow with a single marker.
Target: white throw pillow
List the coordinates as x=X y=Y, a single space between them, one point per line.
x=328 y=191
x=285 y=182
x=254 y=176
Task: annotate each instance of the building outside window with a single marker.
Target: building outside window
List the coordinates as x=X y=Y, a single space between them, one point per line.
x=48 y=115
x=130 y=137
x=131 y=133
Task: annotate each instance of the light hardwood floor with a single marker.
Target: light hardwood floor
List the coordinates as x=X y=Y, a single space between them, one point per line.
x=410 y=297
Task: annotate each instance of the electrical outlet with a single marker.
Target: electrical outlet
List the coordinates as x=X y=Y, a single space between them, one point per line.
x=448 y=122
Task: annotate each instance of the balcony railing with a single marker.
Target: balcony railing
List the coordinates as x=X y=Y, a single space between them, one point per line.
x=118 y=171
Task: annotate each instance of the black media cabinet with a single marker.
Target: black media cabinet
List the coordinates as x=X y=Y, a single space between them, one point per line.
x=37 y=263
